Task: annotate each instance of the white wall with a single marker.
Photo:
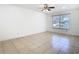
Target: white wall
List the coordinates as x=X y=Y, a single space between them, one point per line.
x=17 y=22
x=74 y=24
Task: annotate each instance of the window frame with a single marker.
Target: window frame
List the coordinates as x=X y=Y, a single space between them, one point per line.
x=60 y=15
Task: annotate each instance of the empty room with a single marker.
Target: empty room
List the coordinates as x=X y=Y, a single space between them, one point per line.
x=39 y=28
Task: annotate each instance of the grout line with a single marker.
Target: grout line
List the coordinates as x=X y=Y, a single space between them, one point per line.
x=18 y=52
x=59 y=51
x=3 y=47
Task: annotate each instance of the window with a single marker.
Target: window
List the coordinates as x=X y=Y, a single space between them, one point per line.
x=61 y=21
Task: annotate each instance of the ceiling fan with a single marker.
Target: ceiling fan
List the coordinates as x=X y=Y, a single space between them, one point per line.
x=47 y=8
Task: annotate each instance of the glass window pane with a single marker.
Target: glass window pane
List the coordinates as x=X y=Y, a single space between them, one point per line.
x=56 y=21
x=61 y=21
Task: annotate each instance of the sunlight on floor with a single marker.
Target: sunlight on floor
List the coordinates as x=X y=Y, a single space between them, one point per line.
x=59 y=42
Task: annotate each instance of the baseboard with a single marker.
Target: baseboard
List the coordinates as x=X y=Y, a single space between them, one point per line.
x=22 y=36
x=65 y=33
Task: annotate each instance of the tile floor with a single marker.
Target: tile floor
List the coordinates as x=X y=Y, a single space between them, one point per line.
x=42 y=43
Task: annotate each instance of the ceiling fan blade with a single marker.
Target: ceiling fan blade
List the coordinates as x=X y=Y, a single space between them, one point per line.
x=51 y=7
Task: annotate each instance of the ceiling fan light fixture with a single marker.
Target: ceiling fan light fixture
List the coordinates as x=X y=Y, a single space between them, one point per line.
x=45 y=10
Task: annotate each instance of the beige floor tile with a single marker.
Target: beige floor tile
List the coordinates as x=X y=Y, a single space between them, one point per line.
x=9 y=48
x=41 y=43
x=1 y=48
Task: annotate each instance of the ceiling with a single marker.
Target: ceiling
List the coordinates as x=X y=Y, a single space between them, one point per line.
x=58 y=7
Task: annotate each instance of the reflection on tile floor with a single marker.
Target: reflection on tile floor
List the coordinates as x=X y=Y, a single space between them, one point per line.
x=42 y=43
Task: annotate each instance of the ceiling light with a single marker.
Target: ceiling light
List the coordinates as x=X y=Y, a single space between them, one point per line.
x=45 y=10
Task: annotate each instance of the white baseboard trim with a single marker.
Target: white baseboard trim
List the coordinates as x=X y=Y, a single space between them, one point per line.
x=65 y=33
